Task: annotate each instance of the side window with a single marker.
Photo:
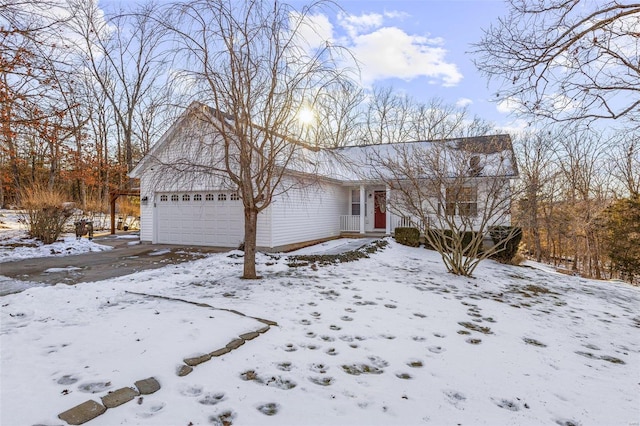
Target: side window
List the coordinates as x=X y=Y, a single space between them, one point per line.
x=355 y=202
x=209 y=197
x=186 y=197
x=197 y=197
x=222 y=197
x=174 y=197
x=462 y=200
x=164 y=198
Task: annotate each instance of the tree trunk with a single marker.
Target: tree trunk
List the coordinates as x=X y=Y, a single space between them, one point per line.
x=250 y=228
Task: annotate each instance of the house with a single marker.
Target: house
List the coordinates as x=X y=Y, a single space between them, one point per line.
x=330 y=192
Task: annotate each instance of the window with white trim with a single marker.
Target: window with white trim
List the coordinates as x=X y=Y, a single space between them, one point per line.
x=186 y=197
x=462 y=201
x=197 y=197
x=164 y=198
x=209 y=197
x=222 y=197
x=175 y=197
x=355 y=202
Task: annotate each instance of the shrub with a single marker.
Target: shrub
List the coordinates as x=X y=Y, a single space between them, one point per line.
x=45 y=213
x=506 y=240
x=439 y=237
x=444 y=239
x=408 y=236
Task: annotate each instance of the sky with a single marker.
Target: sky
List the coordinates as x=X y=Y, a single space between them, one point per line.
x=421 y=47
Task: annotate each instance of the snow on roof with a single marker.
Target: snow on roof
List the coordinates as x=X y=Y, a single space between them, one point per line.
x=493 y=156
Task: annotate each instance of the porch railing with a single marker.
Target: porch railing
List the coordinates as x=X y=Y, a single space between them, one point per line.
x=349 y=223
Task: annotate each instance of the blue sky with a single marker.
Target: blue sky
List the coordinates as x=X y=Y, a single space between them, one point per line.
x=416 y=46
x=420 y=47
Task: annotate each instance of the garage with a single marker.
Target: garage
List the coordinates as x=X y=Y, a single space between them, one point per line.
x=212 y=218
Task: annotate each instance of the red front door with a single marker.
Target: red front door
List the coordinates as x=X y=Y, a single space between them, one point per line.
x=380 y=212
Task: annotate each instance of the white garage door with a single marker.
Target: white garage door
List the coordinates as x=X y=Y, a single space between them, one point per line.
x=200 y=218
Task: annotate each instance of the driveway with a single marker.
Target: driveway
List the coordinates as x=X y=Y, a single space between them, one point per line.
x=125 y=258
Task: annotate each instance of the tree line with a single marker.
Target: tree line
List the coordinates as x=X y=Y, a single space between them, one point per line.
x=85 y=93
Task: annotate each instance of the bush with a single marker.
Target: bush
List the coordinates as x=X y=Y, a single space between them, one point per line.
x=506 y=240
x=45 y=213
x=408 y=236
x=442 y=238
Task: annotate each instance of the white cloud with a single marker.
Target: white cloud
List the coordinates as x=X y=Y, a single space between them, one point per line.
x=463 y=102
x=314 y=32
x=507 y=106
x=355 y=25
x=382 y=51
x=390 y=52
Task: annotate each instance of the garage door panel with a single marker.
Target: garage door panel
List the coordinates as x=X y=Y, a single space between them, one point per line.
x=213 y=221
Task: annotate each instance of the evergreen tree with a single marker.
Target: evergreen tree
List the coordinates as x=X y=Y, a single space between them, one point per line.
x=622 y=226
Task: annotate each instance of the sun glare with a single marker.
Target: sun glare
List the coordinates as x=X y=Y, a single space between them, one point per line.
x=306 y=116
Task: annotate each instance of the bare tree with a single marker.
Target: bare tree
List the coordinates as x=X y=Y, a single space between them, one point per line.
x=128 y=60
x=625 y=163
x=250 y=64
x=566 y=59
x=336 y=117
x=454 y=191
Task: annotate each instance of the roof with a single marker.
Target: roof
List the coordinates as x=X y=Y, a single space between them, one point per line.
x=494 y=154
x=494 y=157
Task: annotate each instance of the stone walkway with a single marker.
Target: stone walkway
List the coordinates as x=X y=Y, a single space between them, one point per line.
x=91 y=409
x=346 y=246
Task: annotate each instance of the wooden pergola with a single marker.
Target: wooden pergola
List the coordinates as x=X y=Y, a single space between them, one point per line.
x=113 y=196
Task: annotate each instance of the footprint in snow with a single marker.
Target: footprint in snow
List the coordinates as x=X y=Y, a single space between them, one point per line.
x=195 y=390
x=318 y=368
x=506 y=404
x=67 y=379
x=284 y=366
x=211 y=398
x=152 y=410
x=269 y=409
x=290 y=347
x=436 y=349
x=224 y=419
x=322 y=380
x=94 y=387
x=331 y=352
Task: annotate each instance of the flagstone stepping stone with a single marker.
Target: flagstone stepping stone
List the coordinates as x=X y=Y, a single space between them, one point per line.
x=220 y=352
x=119 y=397
x=82 y=413
x=235 y=344
x=147 y=386
x=249 y=336
x=192 y=362
x=183 y=370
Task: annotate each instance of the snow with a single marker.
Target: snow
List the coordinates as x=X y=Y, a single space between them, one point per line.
x=372 y=342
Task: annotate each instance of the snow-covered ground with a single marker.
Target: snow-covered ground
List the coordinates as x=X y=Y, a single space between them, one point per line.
x=15 y=246
x=392 y=339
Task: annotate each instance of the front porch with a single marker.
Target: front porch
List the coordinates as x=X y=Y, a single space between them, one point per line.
x=353 y=226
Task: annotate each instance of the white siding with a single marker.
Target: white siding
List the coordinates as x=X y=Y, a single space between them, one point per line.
x=307 y=214
x=146 y=211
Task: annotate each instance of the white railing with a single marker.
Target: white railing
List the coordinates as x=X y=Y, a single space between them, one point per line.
x=407 y=222
x=349 y=223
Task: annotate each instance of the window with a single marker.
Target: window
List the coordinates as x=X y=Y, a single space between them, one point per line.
x=234 y=196
x=197 y=197
x=222 y=197
x=462 y=200
x=174 y=197
x=186 y=197
x=209 y=197
x=164 y=198
x=355 y=202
